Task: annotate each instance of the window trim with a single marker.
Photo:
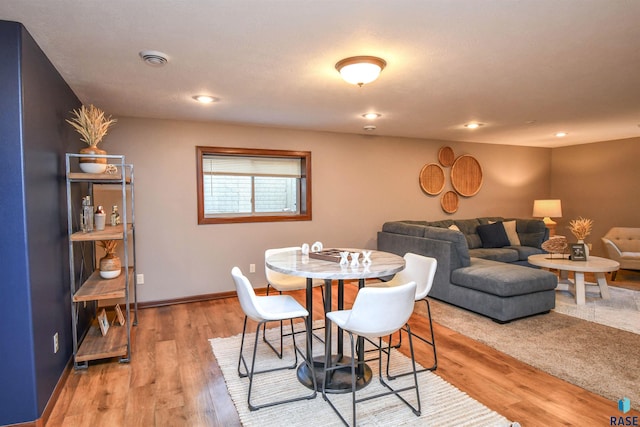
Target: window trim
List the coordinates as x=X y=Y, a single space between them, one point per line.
x=305 y=181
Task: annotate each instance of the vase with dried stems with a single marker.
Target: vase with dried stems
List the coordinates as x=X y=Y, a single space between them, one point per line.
x=110 y=265
x=92 y=124
x=581 y=228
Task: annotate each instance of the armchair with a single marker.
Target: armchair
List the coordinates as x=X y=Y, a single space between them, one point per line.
x=623 y=245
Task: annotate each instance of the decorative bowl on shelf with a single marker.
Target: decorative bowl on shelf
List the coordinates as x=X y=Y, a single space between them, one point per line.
x=93 y=167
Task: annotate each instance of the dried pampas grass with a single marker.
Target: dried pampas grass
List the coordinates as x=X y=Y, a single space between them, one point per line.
x=91 y=123
x=581 y=227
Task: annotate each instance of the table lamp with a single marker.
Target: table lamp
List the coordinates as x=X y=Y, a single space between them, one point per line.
x=547 y=209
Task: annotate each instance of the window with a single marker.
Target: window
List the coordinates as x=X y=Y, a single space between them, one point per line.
x=253 y=185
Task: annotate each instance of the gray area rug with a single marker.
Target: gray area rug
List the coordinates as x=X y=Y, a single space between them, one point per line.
x=442 y=403
x=621 y=311
x=601 y=359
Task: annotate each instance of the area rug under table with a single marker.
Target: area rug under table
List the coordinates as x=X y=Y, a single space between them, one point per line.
x=442 y=403
x=621 y=311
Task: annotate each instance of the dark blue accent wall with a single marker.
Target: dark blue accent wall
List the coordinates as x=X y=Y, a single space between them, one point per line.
x=34 y=285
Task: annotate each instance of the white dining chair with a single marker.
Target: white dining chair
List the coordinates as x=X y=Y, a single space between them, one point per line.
x=263 y=309
x=422 y=270
x=286 y=283
x=376 y=313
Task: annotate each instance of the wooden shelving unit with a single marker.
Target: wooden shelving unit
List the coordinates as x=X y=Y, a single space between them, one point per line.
x=88 y=288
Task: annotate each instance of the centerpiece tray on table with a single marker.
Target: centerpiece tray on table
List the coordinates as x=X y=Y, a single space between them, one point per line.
x=332 y=255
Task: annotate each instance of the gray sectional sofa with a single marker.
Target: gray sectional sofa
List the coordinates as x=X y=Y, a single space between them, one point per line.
x=477 y=268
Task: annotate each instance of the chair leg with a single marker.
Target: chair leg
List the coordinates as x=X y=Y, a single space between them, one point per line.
x=432 y=343
x=241 y=360
x=250 y=373
x=264 y=332
x=417 y=410
x=282 y=334
x=328 y=371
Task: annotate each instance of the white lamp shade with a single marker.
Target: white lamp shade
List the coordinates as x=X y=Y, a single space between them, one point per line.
x=547 y=208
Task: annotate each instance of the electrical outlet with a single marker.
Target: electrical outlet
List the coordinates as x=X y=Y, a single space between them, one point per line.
x=252 y=268
x=56 y=344
x=140 y=279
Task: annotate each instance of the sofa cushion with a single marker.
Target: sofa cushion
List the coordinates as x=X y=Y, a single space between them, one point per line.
x=493 y=235
x=532 y=232
x=502 y=279
x=506 y=254
x=490 y=220
x=468 y=227
x=525 y=251
x=512 y=234
x=402 y=227
x=445 y=223
x=455 y=237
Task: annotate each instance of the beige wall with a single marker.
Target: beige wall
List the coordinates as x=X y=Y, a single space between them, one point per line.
x=359 y=182
x=598 y=181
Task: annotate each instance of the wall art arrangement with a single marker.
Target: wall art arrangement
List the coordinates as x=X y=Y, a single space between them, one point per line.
x=465 y=173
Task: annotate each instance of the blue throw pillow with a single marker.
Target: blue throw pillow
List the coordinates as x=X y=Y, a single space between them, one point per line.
x=493 y=235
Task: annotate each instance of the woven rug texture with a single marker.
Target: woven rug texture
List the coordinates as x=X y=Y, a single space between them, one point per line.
x=442 y=403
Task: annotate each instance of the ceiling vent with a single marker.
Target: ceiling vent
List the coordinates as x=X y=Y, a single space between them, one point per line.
x=153 y=58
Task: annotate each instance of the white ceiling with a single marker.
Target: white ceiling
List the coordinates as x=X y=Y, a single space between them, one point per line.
x=524 y=68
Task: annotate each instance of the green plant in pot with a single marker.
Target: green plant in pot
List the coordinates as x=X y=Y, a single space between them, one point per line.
x=92 y=124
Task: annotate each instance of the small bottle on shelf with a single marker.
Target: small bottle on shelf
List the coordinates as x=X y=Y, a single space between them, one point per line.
x=87 y=215
x=115 y=216
x=99 y=218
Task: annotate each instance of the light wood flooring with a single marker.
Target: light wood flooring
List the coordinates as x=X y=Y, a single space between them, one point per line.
x=173 y=378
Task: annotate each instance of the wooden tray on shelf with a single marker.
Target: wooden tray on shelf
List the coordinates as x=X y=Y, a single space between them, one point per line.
x=94 y=346
x=109 y=233
x=98 y=177
x=97 y=288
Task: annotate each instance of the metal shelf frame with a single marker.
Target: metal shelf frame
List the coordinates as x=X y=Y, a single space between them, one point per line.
x=92 y=346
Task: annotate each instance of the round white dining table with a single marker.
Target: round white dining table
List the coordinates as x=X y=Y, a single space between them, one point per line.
x=383 y=264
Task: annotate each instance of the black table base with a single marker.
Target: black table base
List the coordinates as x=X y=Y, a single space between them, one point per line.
x=340 y=379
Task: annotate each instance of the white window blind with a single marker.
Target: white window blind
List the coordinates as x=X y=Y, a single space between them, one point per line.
x=253 y=166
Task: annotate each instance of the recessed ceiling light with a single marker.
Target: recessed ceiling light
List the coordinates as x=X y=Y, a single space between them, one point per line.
x=561 y=134
x=371 y=116
x=205 y=99
x=473 y=125
x=369 y=128
x=153 y=58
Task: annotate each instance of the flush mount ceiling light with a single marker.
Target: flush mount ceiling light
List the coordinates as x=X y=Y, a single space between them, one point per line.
x=561 y=134
x=205 y=99
x=153 y=58
x=473 y=125
x=360 y=70
x=371 y=116
x=369 y=128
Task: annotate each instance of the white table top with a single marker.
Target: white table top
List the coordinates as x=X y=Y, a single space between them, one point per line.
x=295 y=264
x=593 y=264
